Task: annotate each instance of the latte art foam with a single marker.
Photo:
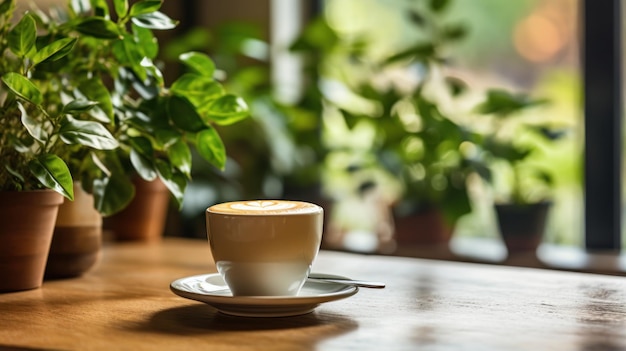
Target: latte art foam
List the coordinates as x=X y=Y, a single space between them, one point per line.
x=265 y=207
x=262 y=206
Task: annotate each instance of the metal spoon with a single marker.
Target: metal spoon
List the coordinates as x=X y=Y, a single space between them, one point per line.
x=348 y=281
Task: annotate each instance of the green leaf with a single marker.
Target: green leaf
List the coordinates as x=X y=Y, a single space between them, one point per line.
x=545 y=177
x=78 y=105
x=439 y=5
x=457 y=204
x=53 y=173
x=481 y=169
x=94 y=90
x=183 y=114
x=21 y=145
x=98 y=27
x=36 y=129
x=420 y=52
x=180 y=157
x=417 y=18
x=199 y=90
x=151 y=115
x=88 y=133
x=199 y=63
x=142 y=145
x=121 y=7
x=128 y=52
x=23 y=87
x=455 y=32
x=112 y=194
x=211 y=148
x=317 y=36
x=7 y=6
x=146 y=41
x=143 y=165
x=23 y=36
x=155 y=76
x=89 y=168
x=548 y=132
x=456 y=86
x=227 y=109
x=503 y=103
x=166 y=137
x=506 y=151
x=14 y=173
x=175 y=182
x=101 y=8
x=146 y=6
x=142 y=157
x=54 y=50
x=154 y=20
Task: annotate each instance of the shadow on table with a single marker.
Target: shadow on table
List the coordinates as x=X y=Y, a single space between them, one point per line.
x=204 y=319
x=21 y=348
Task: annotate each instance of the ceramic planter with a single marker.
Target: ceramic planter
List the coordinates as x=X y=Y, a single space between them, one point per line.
x=77 y=237
x=522 y=226
x=422 y=228
x=28 y=219
x=144 y=218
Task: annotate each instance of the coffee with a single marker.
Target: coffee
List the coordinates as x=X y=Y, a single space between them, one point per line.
x=265 y=207
x=264 y=247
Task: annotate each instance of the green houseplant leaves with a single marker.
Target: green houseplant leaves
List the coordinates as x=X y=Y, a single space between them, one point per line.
x=22 y=37
x=505 y=110
x=32 y=147
x=157 y=126
x=22 y=87
x=66 y=124
x=53 y=173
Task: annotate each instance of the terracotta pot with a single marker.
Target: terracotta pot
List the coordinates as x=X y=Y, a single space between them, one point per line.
x=77 y=237
x=144 y=218
x=522 y=226
x=27 y=219
x=422 y=228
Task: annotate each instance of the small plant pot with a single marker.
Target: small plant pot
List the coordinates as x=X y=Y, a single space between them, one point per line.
x=423 y=228
x=28 y=219
x=77 y=238
x=522 y=226
x=143 y=220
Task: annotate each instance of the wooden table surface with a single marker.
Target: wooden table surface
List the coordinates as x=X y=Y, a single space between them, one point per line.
x=125 y=304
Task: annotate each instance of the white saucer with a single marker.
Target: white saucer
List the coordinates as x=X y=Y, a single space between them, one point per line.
x=211 y=289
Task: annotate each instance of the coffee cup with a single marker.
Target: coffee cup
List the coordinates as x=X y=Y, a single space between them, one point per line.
x=264 y=247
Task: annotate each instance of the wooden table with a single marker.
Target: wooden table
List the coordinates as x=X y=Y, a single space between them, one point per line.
x=125 y=304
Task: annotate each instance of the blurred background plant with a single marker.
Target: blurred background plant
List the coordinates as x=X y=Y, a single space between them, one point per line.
x=529 y=46
x=513 y=137
x=390 y=115
x=274 y=154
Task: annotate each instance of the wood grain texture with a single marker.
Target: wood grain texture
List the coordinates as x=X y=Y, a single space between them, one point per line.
x=125 y=304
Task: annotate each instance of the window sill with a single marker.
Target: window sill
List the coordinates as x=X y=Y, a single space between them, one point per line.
x=549 y=256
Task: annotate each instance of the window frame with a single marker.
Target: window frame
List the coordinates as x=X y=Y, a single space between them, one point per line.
x=603 y=113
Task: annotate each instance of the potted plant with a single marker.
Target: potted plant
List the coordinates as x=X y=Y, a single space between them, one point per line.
x=433 y=166
x=523 y=190
x=40 y=124
x=113 y=95
x=404 y=97
x=155 y=124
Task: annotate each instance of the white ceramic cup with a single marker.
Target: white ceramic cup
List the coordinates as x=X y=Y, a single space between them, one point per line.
x=264 y=247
